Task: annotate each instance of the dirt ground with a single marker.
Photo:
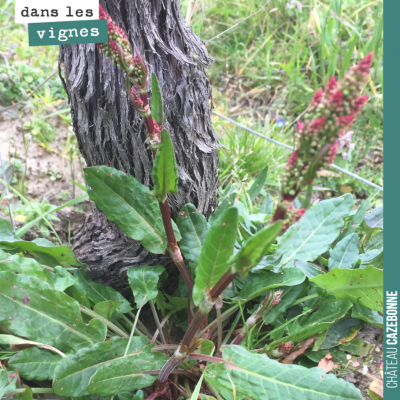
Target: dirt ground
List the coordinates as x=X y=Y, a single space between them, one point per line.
x=39 y=161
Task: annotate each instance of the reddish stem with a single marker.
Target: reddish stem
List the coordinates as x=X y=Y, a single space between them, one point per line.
x=195 y=324
x=279 y=214
x=173 y=247
x=239 y=338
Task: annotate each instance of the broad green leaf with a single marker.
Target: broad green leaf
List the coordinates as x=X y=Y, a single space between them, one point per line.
x=130 y=396
x=29 y=308
x=288 y=296
x=143 y=282
x=337 y=355
x=104 y=370
x=77 y=293
x=207 y=347
x=228 y=202
x=157 y=103
x=165 y=169
x=313 y=234
x=217 y=249
x=97 y=292
x=266 y=206
x=374 y=218
x=310 y=270
x=325 y=316
x=258 y=377
x=6 y=232
x=341 y=331
x=269 y=262
x=260 y=283
x=6 y=384
x=62 y=254
x=329 y=311
x=35 y=364
x=372 y=257
x=344 y=252
x=357 y=346
x=59 y=280
x=320 y=338
x=301 y=333
x=258 y=184
x=367 y=315
x=27 y=394
x=364 y=285
x=124 y=200
x=303 y=361
x=255 y=248
x=179 y=302
x=106 y=308
x=356 y=220
x=7 y=354
x=193 y=227
x=376 y=242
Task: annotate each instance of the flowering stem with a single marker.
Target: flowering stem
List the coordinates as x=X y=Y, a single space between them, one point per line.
x=139 y=99
x=184 y=349
x=172 y=246
x=307 y=199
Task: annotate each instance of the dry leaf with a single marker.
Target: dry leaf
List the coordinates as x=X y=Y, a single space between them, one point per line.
x=377 y=388
x=327 y=364
x=328 y=174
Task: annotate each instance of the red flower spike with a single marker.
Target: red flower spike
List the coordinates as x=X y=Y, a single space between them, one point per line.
x=142 y=65
x=345 y=120
x=319 y=131
x=366 y=63
x=317 y=124
x=332 y=153
x=292 y=160
x=336 y=98
x=360 y=102
x=102 y=13
x=285 y=348
x=317 y=97
x=331 y=84
x=300 y=212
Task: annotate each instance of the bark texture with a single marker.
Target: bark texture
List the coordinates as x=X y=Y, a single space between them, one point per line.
x=110 y=132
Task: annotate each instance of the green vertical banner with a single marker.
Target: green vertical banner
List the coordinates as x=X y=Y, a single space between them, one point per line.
x=391 y=51
x=68 y=32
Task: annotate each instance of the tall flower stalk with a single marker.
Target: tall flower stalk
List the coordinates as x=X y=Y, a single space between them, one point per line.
x=331 y=111
x=119 y=49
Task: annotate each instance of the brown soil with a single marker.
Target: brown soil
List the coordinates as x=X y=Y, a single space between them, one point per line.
x=39 y=161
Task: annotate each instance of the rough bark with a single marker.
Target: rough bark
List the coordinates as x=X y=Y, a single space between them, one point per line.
x=110 y=132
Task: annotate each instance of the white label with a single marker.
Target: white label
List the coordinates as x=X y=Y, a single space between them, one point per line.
x=30 y=11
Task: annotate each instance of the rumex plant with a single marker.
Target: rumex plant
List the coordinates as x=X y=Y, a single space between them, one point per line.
x=298 y=271
x=330 y=113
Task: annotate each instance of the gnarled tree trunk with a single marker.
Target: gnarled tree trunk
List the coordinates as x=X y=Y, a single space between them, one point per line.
x=110 y=132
